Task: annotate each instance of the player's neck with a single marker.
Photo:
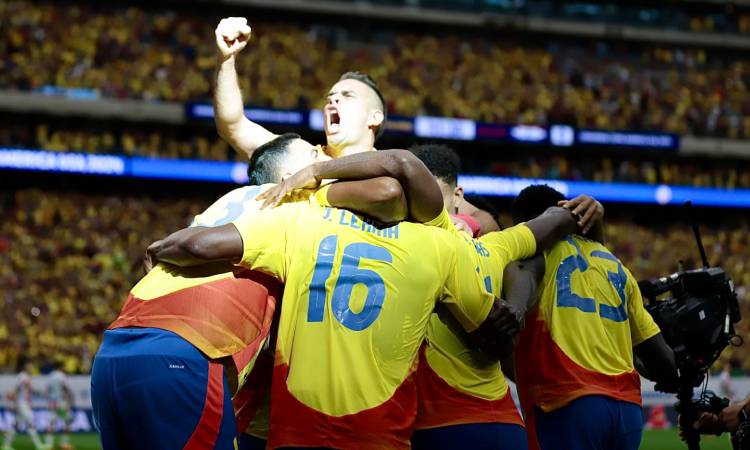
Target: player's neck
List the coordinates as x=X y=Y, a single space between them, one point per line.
x=351 y=149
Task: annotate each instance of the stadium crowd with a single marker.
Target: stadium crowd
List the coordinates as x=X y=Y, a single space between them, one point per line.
x=203 y=143
x=534 y=81
x=68 y=259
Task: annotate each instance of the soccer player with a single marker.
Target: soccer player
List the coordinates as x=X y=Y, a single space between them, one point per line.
x=343 y=371
x=60 y=399
x=183 y=327
x=354 y=116
x=574 y=361
x=463 y=394
x=21 y=399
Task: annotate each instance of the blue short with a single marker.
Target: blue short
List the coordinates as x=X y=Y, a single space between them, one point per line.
x=250 y=442
x=475 y=436
x=151 y=389
x=593 y=422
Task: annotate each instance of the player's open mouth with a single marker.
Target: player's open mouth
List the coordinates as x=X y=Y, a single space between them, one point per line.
x=332 y=117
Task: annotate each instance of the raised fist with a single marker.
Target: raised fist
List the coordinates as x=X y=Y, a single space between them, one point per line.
x=232 y=35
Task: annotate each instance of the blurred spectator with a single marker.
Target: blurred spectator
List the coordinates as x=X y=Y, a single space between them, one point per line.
x=166 y=55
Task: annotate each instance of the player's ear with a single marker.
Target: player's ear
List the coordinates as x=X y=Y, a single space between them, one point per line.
x=376 y=118
x=458 y=192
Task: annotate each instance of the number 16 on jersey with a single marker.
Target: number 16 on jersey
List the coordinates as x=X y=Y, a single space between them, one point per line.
x=349 y=275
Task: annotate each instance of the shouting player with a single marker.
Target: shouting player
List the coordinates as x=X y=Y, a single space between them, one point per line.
x=183 y=327
x=574 y=361
x=354 y=116
x=343 y=372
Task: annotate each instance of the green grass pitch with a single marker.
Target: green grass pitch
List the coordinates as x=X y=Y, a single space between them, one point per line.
x=652 y=440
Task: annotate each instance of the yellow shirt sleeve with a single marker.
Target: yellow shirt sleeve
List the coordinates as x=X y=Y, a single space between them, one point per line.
x=464 y=293
x=265 y=239
x=443 y=220
x=511 y=244
x=321 y=195
x=642 y=325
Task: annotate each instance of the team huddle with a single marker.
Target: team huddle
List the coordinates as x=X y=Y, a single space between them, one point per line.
x=350 y=298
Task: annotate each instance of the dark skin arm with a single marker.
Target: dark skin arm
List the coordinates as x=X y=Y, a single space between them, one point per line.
x=198 y=245
x=520 y=287
x=656 y=362
x=380 y=198
x=423 y=196
x=496 y=335
x=551 y=226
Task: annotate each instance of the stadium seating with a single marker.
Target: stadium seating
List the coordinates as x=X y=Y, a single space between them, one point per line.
x=68 y=259
x=513 y=80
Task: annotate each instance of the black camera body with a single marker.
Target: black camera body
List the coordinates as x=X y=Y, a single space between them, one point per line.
x=698 y=320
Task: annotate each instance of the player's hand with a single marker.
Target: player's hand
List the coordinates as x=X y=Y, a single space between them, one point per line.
x=587 y=209
x=232 y=35
x=304 y=179
x=148 y=259
x=708 y=423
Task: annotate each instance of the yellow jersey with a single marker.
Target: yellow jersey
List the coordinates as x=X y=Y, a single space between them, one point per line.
x=457 y=383
x=355 y=310
x=579 y=339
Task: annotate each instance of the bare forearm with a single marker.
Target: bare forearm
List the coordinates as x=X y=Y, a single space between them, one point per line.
x=552 y=226
x=658 y=360
x=198 y=245
x=380 y=198
x=420 y=189
x=521 y=281
x=228 y=107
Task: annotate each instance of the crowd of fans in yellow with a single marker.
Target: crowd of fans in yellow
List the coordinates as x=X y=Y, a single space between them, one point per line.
x=500 y=80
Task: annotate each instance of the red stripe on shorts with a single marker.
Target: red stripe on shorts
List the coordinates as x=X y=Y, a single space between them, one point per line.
x=206 y=433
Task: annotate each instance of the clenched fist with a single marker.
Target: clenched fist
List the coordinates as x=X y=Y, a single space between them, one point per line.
x=232 y=35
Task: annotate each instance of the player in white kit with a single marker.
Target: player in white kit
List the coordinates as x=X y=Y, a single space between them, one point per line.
x=21 y=399
x=60 y=399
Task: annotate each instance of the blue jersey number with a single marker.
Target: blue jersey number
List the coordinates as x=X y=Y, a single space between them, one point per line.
x=349 y=276
x=566 y=298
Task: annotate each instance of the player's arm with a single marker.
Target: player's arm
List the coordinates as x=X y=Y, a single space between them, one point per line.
x=497 y=334
x=655 y=361
x=551 y=226
x=198 y=245
x=254 y=240
x=242 y=134
x=380 y=198
x=423 y=198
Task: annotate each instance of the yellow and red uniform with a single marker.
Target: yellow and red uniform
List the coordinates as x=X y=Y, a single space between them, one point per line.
x=579 y=339
x=457 y=383
x=356 y=306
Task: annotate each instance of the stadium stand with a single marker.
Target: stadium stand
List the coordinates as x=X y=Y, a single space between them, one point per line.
x=539 y=80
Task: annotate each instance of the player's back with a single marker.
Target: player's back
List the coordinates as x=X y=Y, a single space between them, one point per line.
x=221 y=309
x=354 y=313
x=579 y=339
